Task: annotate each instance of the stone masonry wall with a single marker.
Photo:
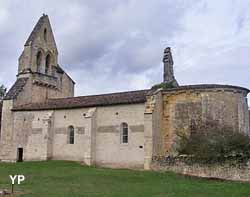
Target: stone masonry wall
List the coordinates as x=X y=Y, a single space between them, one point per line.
x=109 y=149
x=7 y=152
x=31 y=135
x=61 y=148
x=44 y=135
x=182 y=108
x=229 y=170
x=1 y=105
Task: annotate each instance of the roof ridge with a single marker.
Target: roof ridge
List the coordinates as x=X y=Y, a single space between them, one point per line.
x=121 y=98
x=95 y=95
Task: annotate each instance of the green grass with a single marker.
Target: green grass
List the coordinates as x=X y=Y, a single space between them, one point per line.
x=69 y=179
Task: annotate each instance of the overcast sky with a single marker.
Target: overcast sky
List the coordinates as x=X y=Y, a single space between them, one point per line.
x=117 y=45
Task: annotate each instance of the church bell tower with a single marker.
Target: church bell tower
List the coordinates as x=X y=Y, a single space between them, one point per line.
x=40 y=51
x=39 y=76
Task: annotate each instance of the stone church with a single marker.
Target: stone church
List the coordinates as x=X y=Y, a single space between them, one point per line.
x=42 y=120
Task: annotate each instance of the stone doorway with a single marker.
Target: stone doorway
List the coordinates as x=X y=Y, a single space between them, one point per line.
x=20 y=155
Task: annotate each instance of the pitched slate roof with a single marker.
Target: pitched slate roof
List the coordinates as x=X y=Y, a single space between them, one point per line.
x=132 y=97
x=16 y=89
x=36 y=29
x=59 y=69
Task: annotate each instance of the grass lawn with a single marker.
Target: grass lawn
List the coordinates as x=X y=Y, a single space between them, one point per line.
x=70 y=179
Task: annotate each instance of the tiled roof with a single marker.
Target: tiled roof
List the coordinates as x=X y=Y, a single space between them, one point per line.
x=16 y=89
x=36 y=30
x=132 y=97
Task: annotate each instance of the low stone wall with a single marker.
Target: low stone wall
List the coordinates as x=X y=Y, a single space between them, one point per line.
x=232 y=169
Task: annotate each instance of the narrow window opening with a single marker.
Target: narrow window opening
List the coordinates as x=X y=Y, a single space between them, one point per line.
x=47 y=64
x=71 y=135
x=124 y=133
x=39 y=61
x=45 y=35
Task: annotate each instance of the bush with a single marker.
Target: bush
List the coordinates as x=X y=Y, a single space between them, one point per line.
x=163 y=86
x=211 y=141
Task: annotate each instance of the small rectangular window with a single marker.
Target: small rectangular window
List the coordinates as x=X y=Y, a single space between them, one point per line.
x=71 y=135
x=124 y=133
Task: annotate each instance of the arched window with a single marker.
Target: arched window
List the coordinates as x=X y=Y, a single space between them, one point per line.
x=45 y=35
x=39 y=61
x=47 y=64
x=124 y=133
x=71 y=133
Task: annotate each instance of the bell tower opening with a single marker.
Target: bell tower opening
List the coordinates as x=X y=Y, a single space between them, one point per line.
x=47 y=64
x=45 y=35
x=39 y=61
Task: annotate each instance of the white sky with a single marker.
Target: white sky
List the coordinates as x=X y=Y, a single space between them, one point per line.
x=117 y=45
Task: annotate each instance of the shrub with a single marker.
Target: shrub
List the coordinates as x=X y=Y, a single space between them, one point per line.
x=163 y=86
x=210 y=141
